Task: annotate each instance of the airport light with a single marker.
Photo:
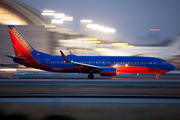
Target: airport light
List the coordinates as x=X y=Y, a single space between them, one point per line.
x=90 y=38
x=56 y=21
x=91 y=25
x=86 y=21
x=123 y=44
x=47 y=10
x=59 y=15
x=96 y=26
x=48 y=14
x=120 y=44
x=95 y=41
x=154 y=29
x=130 y=45
x=67 y=18
x=101 y=28
x=109 y=30
x=62 y=16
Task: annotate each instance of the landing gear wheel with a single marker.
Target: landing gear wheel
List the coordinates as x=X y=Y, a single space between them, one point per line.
x=157 y=76
x=90 y=76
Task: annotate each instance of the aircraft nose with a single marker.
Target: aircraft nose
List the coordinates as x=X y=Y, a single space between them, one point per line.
x=172 y=67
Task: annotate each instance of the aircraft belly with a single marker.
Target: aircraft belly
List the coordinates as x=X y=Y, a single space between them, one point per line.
x=136 y=69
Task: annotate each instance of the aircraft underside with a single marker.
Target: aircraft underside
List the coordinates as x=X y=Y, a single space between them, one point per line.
x=120 y=70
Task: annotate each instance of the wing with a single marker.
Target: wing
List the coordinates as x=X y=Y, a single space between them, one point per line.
x=77 y=63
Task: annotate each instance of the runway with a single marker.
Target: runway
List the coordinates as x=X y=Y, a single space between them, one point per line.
x=130 y=82
x=131 y=90
x=135 y=96
x=35 y=74
x=91 y=99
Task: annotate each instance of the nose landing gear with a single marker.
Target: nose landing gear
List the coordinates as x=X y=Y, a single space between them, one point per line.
x=90 y=76
x=157 y=76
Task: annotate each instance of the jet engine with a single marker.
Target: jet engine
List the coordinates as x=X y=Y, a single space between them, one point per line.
x=109 y=72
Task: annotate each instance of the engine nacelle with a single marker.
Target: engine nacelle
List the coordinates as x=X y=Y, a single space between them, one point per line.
x=109 y=72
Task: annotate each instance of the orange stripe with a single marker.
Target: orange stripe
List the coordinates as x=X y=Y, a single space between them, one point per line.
x=20 y=42
x=28 y=52
x=19 y=50
x=23 y=55
x=135 y=67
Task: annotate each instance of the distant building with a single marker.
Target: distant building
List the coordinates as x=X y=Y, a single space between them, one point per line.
x=38 y=30
x=35 y=27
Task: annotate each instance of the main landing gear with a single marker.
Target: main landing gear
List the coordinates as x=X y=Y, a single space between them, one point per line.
x=157 y=76
x=90 y=76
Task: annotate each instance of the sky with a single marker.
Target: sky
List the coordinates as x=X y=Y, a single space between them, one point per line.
x=131 y=18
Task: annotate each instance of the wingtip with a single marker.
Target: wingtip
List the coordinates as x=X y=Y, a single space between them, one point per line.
x=61 y=53
x=63 y=56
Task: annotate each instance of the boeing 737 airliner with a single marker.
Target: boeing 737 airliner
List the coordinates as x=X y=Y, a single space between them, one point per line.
x=104 y=65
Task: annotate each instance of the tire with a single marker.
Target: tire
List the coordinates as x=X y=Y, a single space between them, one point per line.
x=90 y=76
x=157 y=76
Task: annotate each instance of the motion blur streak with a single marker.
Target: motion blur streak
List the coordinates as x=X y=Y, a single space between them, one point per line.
x=6 y=69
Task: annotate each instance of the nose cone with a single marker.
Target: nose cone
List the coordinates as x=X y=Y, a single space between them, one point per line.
x=171 y=67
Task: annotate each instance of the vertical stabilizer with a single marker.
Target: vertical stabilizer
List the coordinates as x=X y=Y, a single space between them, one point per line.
x=22 y=47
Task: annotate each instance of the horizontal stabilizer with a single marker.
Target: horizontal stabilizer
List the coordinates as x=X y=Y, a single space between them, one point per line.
x=13 y=56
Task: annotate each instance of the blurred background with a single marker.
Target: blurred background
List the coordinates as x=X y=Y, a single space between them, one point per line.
x=124 y=28
x=106 y=28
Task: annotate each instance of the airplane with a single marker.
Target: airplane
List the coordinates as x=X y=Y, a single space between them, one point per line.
x=26 y=55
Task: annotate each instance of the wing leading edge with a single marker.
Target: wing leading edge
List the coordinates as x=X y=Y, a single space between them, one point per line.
x=77 y=63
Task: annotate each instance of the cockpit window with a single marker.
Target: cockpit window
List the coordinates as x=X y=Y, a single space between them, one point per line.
x=164 y=62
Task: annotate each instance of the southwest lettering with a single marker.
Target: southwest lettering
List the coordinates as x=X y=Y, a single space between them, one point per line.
x=22 y=40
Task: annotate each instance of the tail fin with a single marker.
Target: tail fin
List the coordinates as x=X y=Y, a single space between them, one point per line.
x=22 y=47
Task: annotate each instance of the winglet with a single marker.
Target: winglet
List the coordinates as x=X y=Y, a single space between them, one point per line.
x=64 y=57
